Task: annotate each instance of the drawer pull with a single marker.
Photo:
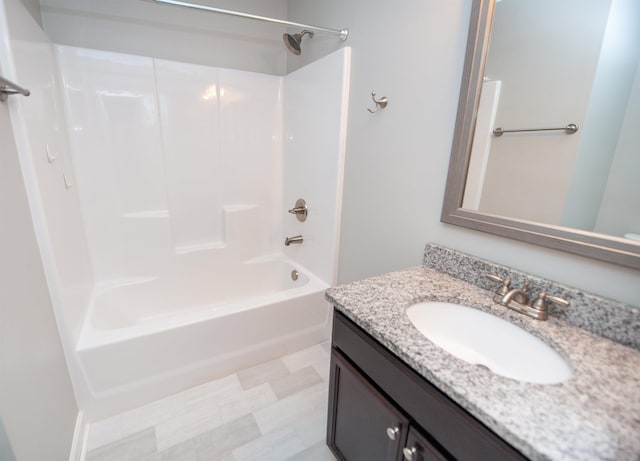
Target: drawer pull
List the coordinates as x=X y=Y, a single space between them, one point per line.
x=392 y=432
x=410 y=454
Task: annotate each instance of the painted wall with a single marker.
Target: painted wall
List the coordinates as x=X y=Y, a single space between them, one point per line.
x=397 y=160
x=547 y=63
x=33 y=7
x=620 y=209
x=37 y=404
x=167 y=32
x=603 y=127
x=41 y=137
x=610 y=95
x=44 y=150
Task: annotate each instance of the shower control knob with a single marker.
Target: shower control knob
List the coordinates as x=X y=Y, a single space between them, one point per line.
x=300 y=210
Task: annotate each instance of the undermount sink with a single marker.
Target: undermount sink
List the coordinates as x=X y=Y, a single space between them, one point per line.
x=484 y=339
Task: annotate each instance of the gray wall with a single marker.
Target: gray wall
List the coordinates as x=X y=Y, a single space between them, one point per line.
x=610 y=96
x=397 y=160
x=620 y=210
x=37 y=405
x=33 y=7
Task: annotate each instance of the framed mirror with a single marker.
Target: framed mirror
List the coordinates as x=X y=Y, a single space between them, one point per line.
x=546 y=147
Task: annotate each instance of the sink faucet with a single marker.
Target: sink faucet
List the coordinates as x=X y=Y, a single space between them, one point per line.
x=516 y=294
x=518 y=300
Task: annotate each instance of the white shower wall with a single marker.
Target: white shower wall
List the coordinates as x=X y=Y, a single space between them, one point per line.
x=315 y=109
x=174 y=158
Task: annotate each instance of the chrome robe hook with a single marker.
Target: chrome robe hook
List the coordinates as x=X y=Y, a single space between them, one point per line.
x=379 y=103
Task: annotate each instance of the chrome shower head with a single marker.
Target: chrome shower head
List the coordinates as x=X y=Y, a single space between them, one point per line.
x=292 y=42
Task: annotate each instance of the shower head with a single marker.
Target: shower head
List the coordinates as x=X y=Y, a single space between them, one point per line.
x=292 y=42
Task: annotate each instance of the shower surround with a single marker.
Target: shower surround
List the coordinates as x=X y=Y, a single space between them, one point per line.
x=182 y=176
x=185 y=174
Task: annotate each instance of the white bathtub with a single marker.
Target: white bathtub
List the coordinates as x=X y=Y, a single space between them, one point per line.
x=147 y=338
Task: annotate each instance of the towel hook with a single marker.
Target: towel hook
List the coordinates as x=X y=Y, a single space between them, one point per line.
x=382 y=103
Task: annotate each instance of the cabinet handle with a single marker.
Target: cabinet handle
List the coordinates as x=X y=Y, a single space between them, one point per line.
x=392 y=432
x=410 y=454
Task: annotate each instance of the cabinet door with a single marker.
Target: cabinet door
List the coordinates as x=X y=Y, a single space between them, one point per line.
x=363 y=425
x=418 y=448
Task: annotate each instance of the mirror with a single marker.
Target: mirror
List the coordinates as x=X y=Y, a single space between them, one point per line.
x=547 y=140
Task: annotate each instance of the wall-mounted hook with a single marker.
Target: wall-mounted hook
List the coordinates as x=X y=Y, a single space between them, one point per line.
x=382 y=103
x=67 y=182
x=50 y=157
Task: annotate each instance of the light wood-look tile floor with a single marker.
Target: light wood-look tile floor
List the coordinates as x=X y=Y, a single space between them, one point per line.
x=275 y=411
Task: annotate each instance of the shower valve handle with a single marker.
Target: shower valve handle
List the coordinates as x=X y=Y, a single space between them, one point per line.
x=300 y=210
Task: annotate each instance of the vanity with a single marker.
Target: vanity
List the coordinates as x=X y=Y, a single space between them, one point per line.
x=525 y=139
x=383 y=410
x=396 y=395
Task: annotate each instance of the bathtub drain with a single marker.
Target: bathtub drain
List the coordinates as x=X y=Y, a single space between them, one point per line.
x=294 y=275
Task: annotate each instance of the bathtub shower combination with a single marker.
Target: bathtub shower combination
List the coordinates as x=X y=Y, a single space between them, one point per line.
x=173 y=270
x=185 y=174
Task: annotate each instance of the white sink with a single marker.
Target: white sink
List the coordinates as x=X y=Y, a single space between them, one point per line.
x=481 y=338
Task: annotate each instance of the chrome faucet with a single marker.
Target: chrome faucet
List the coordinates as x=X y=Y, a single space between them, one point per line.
x=517 y=299
x=291 y=240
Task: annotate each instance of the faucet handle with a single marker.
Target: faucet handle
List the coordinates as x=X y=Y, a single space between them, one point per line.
x=557 y=300
x=543 y=298
x=506 y=283
x=300 y=210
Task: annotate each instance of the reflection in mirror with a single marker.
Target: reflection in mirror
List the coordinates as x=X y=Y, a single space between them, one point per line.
x=552 y=63
x=547 y=65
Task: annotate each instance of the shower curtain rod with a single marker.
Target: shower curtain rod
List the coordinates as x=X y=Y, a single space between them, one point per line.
x=342 y=33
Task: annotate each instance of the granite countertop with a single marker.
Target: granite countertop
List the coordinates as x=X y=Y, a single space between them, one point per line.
x=593 y=415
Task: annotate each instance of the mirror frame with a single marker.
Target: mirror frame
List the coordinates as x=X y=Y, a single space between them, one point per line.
x=592 y=245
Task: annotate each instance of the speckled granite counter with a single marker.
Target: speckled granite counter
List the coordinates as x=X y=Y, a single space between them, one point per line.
x=595 y=415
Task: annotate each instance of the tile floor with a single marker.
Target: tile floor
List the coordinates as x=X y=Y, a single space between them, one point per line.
x=275 y=411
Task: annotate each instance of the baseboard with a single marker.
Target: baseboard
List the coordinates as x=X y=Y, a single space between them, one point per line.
x=80 y=434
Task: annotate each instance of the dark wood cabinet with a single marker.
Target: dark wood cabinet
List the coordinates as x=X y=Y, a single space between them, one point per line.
x=366 y=426
x=382 y=410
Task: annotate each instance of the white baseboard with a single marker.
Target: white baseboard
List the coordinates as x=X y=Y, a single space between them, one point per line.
x=80 y=434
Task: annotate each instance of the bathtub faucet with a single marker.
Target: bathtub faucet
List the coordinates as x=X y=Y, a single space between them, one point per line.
x=289 y=240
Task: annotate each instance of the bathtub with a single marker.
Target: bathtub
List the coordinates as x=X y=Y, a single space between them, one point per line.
x=146 y=338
